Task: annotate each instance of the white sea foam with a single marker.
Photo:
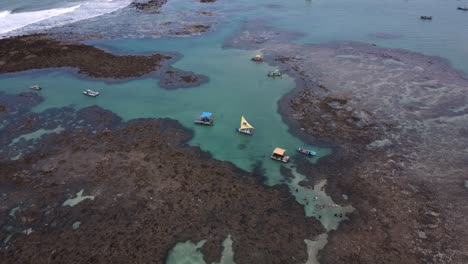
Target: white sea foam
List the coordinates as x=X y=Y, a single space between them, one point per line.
x=17 y=23
x=11 y=21
x=4 y=14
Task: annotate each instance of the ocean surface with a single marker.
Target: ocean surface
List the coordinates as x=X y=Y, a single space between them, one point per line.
x=17 y=17
x=237 y=86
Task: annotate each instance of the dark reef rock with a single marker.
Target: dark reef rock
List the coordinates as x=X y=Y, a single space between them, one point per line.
x=150 y=191
x=336 y=119
x=151 y=6
x=255 y=35
x=190 y=30
x=40 y=51
x=18 y=120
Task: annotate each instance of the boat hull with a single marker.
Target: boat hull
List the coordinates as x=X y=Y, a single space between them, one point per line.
x=307 y=152
x=283 y=159
x=273 y=75
x=245 y=132
x=91 y=95
x=203 y=123
x=35 y=88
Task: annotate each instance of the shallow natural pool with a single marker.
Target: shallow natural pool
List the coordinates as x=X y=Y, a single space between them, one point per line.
x=237 y=87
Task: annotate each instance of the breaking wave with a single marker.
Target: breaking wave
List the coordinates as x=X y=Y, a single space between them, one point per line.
x=12 y=23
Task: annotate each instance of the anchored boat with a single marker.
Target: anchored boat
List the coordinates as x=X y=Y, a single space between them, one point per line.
x=90 y=93
x=426 y=17
x=245 y=127
x=463 y=8
x=275 y=73
x=307 y=151
x=257 y=58
x=36 y=87
x=206 y=119
x=279 y=155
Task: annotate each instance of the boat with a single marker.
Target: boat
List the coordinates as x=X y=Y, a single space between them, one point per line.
x=257 y=58
x=275 y=73
x=245 y=127
x=279 y=155
x=426 y=17
x=36 y=87
x=463 y=8
x=307 y=151
x=206 y=119
x=90 y=93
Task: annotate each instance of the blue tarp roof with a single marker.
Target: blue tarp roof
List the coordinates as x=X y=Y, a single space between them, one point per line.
x=205 y=114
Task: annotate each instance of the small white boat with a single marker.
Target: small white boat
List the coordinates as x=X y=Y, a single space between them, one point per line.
x=426 y=17
x=245 y=127
x=91 y=93
x=275 y=73
x=36 y=87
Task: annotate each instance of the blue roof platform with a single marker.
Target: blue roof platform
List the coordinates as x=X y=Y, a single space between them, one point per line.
x=206 y=115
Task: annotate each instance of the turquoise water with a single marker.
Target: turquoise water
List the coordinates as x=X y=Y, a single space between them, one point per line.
x=336 y=20
x=189 y=253
x=238 y=86
x=186 y=253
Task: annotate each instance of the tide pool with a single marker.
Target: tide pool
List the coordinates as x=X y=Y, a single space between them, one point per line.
x=237 y=87
x=189 y=253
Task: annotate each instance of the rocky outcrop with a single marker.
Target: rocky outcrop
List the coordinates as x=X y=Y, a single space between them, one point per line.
x=41 y=52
